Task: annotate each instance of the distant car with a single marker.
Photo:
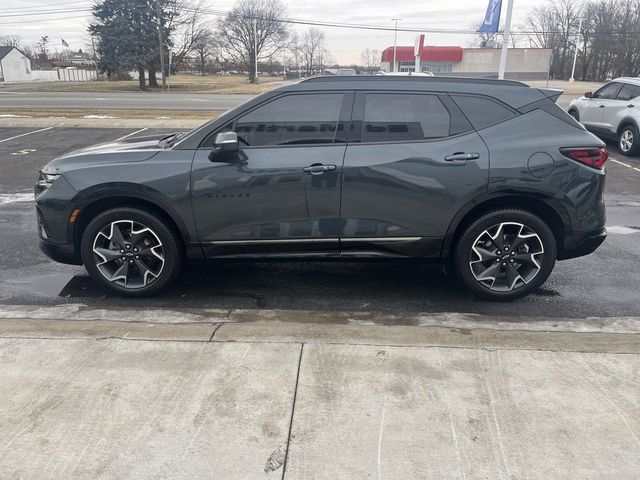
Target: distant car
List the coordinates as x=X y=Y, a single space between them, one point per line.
x=488 y=176
x=406 y=74
x=612 y=112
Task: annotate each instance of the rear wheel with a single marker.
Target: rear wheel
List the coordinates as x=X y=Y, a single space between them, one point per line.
x=629 y=141
x=131 y=252
x=505 y=254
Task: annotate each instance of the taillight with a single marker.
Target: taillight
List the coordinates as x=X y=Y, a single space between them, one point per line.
x=591 y=157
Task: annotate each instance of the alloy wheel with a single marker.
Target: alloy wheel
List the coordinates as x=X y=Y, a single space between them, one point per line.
x=128 y=254
x=506 y=256
x=626 y=140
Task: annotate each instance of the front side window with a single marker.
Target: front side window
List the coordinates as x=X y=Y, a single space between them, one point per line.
x=291 y=120
x=609 y=91
x=391 y=117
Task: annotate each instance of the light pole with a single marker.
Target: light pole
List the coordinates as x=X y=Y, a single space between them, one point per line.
x=575 y=53
x=505 y=41
x=395 y=41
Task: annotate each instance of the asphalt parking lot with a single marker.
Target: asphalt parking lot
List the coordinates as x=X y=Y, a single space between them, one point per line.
x=603 y=284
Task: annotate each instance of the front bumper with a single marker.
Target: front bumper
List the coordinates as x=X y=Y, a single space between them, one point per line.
x=584 y=245
x=62 y=253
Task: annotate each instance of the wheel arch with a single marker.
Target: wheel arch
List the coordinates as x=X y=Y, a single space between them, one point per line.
x=99 y=203
x=534 y=204
x=626 y=122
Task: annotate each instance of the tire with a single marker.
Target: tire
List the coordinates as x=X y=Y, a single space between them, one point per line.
x=574 y=113
x=629 y=141
x=131 y=252
x=516 y=271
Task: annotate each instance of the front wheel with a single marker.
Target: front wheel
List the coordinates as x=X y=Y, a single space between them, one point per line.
x=131 y=252
x=628 y=141
x=505 y=254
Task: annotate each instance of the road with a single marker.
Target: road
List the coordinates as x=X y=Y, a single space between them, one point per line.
x=602 y=284
x=120 y=101
x=137 y=101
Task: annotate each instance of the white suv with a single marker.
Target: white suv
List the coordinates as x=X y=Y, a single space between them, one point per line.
x=612 y=112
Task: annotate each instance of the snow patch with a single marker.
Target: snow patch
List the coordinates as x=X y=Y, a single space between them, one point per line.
x=98 y=116
x=15 y=197
x=11 y=115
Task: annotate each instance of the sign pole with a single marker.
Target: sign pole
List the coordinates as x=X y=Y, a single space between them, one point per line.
x=505 y=41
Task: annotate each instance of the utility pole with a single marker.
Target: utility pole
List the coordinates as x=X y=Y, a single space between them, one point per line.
x=161 y=41
x=575 y=53
x=255 y=46
x=395 y=41
x=505 y=41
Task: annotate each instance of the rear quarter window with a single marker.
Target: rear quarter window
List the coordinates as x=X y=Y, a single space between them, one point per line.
x=483 y=112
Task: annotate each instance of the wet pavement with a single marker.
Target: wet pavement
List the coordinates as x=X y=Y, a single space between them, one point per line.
x=602 y=284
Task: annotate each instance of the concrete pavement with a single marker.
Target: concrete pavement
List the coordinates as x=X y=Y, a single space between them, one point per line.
x=271 y=394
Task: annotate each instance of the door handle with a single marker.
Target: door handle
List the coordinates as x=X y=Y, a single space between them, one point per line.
x=601 y=106
x=462 y=157
x=319 y=169
x=630 y=106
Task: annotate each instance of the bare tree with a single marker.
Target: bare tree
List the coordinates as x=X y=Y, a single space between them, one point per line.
x=253 y=30
x=311 y=47
x=205 y=46
x=370 y=58
x=10 y=41
x=482 y=39
x=192 y=32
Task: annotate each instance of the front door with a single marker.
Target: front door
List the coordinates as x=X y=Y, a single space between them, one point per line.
x=593 y=114
x=280 y=193
x=416 y=162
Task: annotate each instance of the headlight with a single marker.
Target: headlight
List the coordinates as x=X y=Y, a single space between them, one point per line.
x=45 y=180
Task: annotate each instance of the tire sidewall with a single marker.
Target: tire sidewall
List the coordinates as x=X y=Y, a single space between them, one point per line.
x=172 y=252
x=635 y=147
x=468 y=238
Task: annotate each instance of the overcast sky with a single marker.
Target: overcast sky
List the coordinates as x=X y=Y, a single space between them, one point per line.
x=344 y=45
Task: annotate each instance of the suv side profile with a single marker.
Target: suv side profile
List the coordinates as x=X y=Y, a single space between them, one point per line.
x=613 y=113
x=490 y=177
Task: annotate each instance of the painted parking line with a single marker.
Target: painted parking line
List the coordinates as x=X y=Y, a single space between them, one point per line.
x=25 y=134
x=131 y=134
x=621 y=163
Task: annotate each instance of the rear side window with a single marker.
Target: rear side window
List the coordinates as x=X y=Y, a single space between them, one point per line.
x=483 y=112
x=393 y=117
x=628 y=91
x=292 y=120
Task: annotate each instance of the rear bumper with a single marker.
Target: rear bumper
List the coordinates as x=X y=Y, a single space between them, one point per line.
x=584 y=245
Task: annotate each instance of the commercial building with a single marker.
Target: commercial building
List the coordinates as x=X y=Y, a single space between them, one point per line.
x=522 y=63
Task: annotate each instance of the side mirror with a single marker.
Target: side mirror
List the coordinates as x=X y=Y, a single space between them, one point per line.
x=588 y=95
x=227 y=142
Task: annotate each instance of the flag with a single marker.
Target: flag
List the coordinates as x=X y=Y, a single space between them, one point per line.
x=492 y=17
x=64 y=44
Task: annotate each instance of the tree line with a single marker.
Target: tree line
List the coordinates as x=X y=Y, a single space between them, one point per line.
x=607 y=39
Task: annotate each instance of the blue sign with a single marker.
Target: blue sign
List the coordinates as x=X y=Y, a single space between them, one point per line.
x=492 y=17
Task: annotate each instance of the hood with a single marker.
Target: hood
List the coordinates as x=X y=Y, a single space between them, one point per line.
x=127 y=150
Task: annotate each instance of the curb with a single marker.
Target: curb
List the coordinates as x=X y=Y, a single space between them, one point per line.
x=40 y=122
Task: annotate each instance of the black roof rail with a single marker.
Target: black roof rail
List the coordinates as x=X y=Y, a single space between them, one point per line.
x=409 y=78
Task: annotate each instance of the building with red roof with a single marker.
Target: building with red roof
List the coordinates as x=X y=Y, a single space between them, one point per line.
x=522 y=63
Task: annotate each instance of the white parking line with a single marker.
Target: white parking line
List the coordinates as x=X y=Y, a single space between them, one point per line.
x=636 y=169
x=130 y=134
x=24 y=134
x=621 y=163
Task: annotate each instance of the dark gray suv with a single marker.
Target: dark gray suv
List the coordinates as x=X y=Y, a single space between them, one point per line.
x=489 y=176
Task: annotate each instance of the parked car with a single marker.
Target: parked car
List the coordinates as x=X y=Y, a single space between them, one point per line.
x=612 y=112
x=490 y=177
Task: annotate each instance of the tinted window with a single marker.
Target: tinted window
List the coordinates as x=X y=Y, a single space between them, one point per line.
x=628 y=91
x=292 y=120
x=390 y=117
x=483 y=112
x=609 y=91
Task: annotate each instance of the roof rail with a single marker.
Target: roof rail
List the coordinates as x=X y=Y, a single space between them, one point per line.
x=383 y=78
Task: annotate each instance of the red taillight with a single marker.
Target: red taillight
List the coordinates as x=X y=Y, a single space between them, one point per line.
x=591 y=157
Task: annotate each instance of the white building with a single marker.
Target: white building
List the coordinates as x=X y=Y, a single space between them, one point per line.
x=14 y=65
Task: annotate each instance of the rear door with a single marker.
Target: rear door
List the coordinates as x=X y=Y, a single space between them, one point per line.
x=623 y=105
x=412 y=161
